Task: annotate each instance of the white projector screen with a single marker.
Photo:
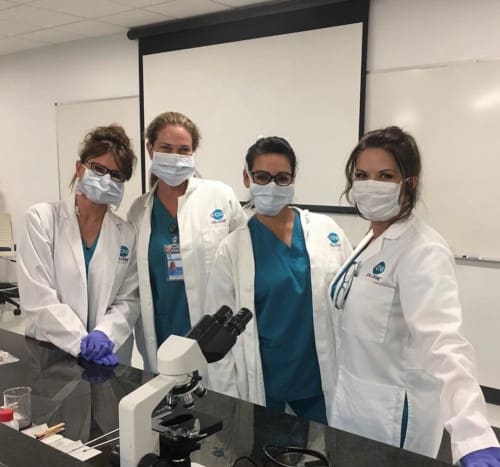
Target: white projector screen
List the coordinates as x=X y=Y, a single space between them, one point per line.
x=304 y=86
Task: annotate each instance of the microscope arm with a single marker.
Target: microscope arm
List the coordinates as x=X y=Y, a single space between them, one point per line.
x=136 y=409
x=178 y=358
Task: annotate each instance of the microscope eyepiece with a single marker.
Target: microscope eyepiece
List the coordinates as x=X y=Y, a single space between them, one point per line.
x=217 y=333
x=238 y=322
x=223 y=314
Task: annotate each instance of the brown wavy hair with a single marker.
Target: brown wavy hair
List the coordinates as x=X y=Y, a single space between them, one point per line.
x=403 y=147
x=104 y=139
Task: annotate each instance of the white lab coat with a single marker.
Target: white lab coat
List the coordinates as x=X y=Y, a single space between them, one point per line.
x=399 y=333
x=61 y=305
x=200 y=234
x=231 y=283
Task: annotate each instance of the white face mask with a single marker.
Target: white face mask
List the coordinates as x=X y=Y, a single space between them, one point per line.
x=270 y=199
x=376 y=200
x=173 y=169
x=101 y=190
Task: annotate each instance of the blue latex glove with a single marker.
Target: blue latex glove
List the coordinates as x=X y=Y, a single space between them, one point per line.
x=108 y=360
x=95 y=345
x=489 y=457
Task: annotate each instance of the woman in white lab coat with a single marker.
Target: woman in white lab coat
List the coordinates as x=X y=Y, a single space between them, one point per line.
x=76 y=259
x=180 y=223
x=404 y=368
x=278 y=266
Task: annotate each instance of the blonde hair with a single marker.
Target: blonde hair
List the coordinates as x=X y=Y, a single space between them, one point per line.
x=175 y=119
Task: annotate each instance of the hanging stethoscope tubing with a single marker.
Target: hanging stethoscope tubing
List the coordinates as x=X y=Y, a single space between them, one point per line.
x=347 y=272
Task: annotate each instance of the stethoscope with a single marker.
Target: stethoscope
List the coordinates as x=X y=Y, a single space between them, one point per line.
x=352 y=267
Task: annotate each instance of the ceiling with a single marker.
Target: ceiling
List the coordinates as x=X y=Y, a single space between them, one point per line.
x=27 y=24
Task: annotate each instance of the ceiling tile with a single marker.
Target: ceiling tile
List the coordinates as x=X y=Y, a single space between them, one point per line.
x=239 y=3
x=37 y=16
x=134 y=18
x=53 y=36
x=6 y=4
x=185 y=8
x=92 y=28
x=85 y=8
x=5 y=51
x=19 y=43
x=140 y=3
x=11 y=28
x=19 y=2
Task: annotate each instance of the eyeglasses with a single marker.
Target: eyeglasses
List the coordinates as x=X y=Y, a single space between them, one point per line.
x=261 y=177
x=100 y=170
x=345 y=285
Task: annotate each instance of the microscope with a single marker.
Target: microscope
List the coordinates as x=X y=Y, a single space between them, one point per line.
x=169 y=439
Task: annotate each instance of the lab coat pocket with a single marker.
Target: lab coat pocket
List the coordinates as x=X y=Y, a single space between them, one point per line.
x=367 y=309
x=367 y=408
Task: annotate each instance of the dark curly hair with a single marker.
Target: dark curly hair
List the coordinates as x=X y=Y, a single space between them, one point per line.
x=274 y=145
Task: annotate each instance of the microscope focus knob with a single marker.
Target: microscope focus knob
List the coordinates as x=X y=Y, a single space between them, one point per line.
x=187 y=401
x=200 y=390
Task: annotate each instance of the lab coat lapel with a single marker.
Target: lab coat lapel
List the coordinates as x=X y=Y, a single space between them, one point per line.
x=103 y=269
x=71 y=238
x=146 y=320
x=394 y=231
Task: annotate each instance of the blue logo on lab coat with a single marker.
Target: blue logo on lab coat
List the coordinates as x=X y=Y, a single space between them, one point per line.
x=217 y=215
x=379 y=268
x=333 y=237
x=123 y=251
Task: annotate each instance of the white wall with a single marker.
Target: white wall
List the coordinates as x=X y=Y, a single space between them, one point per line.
x=30 y=84
x=409 y=33
x=403 y=33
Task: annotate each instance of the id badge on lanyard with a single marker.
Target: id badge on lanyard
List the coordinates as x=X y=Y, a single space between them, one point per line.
x=173 y=260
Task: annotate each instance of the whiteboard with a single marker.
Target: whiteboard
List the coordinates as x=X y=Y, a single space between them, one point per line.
x=454 y=113
x=304 y=86
x=75 y=119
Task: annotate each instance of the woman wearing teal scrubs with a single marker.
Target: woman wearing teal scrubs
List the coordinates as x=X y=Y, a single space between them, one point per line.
x=278 y=266
x=180 y=223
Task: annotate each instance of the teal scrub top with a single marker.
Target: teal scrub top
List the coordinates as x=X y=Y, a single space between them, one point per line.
x=88 y=252
x=284 y=311
x=170 y=304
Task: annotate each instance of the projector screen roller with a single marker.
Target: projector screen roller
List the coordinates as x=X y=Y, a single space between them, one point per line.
x=304 y=86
